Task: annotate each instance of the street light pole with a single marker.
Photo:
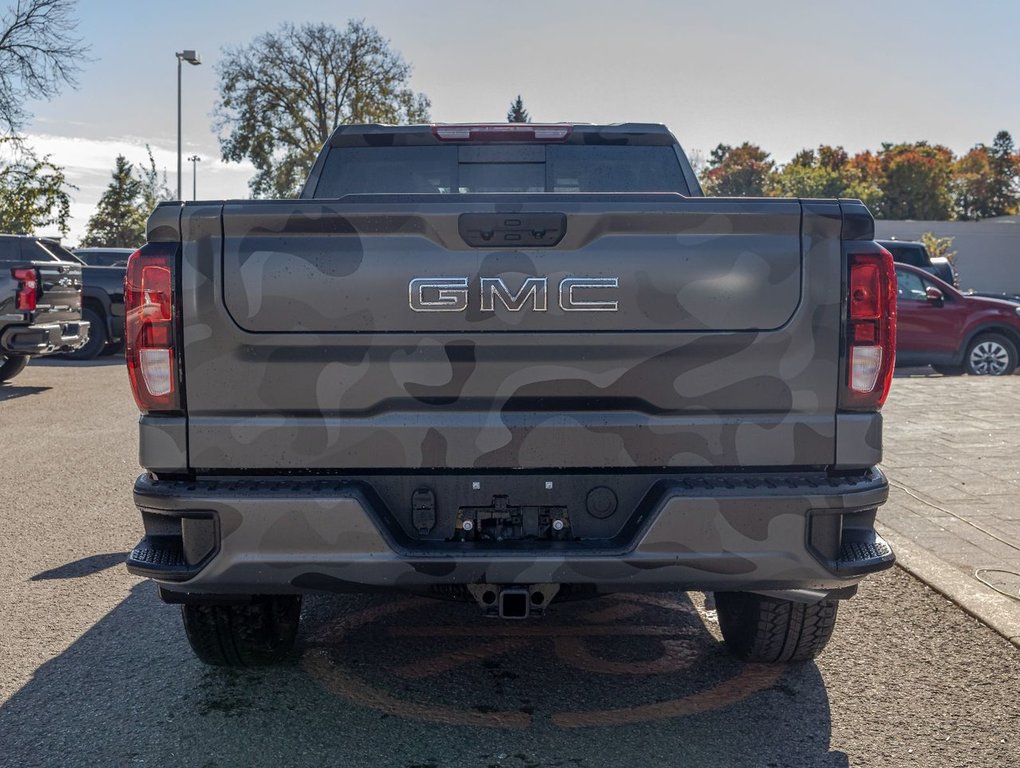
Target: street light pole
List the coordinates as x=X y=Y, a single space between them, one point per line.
x=195 y=160
x=192 y=58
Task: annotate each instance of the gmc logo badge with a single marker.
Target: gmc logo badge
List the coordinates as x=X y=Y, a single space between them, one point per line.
x=452 y=294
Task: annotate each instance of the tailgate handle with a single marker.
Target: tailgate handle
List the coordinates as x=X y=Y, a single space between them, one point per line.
x=502 y=230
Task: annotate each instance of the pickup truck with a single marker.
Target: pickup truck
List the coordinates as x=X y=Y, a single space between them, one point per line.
x=102 y=298
x=509 y=364
x=40 y=303
x=916 y=255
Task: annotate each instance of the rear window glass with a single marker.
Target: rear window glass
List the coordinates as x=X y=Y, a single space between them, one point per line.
x=57 y=252
x=103 y=258
x=448 y=170
x=907 y=255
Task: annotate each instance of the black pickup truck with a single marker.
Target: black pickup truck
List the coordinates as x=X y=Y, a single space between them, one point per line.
x=916 y=255
x=40 y=302
x=510 y=365
x=103 y=271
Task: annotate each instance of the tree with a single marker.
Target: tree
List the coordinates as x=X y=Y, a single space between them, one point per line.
x=38 y=55
x=811 y=174
x=915 y=181
x=282 y=96
x=154 y=189
x=517 y=113
x=938 y=246
x=119 y=221
x=743 y=171
x=973 y=185
x=33 y=191
x=1005 y=175
x=862 y=175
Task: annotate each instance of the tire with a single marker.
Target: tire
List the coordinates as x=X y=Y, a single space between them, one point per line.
x=97 y=336
x=11 y=366
x=949 y=370
x=255 y=634
x=113 y=348
x=990 y=354
x=764 y=629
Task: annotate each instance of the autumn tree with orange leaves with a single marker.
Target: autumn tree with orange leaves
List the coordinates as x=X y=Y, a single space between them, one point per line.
x=915 y=180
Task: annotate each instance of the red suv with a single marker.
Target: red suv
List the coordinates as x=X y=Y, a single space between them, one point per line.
x=950 y=331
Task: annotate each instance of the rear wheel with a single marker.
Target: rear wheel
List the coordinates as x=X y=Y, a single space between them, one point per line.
x=11 y=366
x=97 y=336
x=766 y=629
x=254 y=634
x=113 y=348
x=991 y=354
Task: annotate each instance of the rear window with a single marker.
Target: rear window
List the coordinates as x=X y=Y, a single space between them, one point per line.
x=51 y=250
x=465 y=169
x=103 y=258
x=906 y=254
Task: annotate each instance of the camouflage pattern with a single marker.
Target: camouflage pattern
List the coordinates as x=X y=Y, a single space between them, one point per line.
x=163 y=443
x=858 y=439
x=304 y=352
x=704 y=533
x=742 y=379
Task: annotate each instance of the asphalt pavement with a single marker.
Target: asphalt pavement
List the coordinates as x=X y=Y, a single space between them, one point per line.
x=96 y=670
x=952 y=455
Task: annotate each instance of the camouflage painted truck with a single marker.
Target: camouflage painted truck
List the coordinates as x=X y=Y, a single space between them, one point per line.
x=511 y=365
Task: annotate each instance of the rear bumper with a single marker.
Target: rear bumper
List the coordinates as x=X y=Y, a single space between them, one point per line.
x=718 y=531
x=44 y=339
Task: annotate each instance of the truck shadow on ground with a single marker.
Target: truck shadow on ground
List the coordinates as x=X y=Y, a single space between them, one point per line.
x=8 y=392
x=59 y=361
x=86 y=566
x=396 y=681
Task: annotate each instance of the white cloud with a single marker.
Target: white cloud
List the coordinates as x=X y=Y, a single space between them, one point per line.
x=88 y=164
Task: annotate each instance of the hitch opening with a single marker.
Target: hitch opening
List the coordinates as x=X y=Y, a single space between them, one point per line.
x=517 y=601
x=513 y=603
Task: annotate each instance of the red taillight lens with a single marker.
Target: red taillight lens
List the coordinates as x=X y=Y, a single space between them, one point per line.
x=871 y=330
x=28 y=288
x=150 y=333
x=502 y=132
x=865 y=289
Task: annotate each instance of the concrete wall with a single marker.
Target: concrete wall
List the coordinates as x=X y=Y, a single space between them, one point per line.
x=987 y=252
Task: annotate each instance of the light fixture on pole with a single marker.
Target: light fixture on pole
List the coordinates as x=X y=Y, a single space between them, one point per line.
x=192 y=58
x=194 y=160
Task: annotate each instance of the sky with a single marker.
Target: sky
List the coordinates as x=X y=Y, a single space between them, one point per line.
x=786 y=74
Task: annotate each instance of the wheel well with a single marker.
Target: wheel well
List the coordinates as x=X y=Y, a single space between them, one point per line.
x=1003 y=330
x=97 y=306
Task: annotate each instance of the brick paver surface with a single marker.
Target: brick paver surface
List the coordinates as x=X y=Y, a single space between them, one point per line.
x=952 y=455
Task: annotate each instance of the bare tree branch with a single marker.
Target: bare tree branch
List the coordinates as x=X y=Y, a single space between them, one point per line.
x=39 y=54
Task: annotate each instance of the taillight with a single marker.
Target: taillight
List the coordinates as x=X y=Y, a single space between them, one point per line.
x=28 y=288
x=150 y=327
x=870 y=330
x=503 y=132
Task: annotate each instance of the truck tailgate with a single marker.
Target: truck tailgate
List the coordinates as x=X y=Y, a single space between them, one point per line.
x=390 y=332
x=59 y=296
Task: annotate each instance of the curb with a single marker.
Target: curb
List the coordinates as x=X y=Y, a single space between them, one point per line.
x=1000 y=613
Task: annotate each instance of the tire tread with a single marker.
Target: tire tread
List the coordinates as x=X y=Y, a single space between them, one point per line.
x=254 y=634
x=764 y=629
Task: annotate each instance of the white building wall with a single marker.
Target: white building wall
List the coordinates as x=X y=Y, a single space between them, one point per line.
x=987 y=252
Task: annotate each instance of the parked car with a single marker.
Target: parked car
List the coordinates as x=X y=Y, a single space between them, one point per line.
x=40 y=302
x=916 y=255
x=1013 y=297
x=951 y=331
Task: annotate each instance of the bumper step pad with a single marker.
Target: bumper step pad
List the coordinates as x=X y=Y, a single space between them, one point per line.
x=863 y=553
x=160 y=557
